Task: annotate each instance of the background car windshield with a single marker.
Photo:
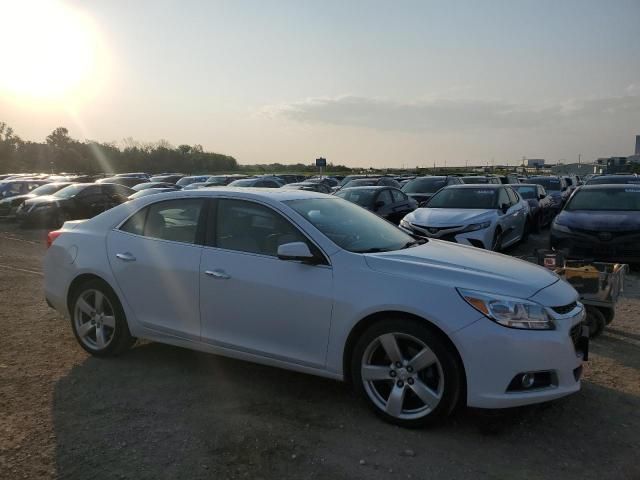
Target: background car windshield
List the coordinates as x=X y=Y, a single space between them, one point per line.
x=424 y=185
x=70 y=191
x=527 y=192
x=613 y=179
x=552 y=184
x=243 y=183
x=217 y=180
x=362 y=197
x=351 y=227
x=363 y=182
x=483 y=198
x=627 y=199
x=47 y=189
x=474 y=180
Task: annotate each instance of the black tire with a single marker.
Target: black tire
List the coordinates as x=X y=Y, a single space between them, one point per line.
x=120 y=336
x=595 y=320
x=58 y=219
x=449 y=373
x=608 y=313
x=537 y=225
x=496 y=244
x=526 y=230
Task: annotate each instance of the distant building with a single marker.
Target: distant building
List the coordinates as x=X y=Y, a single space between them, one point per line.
x=572 y=169
x=535 y=163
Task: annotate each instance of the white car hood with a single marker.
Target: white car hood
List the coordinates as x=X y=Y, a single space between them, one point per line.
x=445 y=217
x=464 y=267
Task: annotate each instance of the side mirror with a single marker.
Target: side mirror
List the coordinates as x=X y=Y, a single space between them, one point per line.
x=297 y=251
x=504 y=208
x=541 y=197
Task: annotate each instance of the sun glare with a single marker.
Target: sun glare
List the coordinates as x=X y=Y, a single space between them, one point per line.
x=50 y=51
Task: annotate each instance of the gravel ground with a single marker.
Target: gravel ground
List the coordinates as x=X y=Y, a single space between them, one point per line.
x=165 y=412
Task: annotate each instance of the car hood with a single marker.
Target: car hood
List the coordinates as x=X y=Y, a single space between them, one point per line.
x=443 y=217
x=464 y=267
x=612 y=221
x=16 y=199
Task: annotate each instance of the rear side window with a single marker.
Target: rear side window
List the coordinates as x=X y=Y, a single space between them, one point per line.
x=398 y=196
x=174 y=220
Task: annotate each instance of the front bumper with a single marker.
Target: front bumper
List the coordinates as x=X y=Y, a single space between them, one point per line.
x=621 y=248
x=494 y=355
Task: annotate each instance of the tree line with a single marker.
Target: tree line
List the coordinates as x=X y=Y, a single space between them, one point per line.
x=61 y=153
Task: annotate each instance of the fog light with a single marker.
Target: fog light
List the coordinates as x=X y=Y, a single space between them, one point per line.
x=532 y=381
x=527 y=380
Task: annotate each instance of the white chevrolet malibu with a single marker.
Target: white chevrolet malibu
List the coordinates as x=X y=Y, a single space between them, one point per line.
x=314 y=283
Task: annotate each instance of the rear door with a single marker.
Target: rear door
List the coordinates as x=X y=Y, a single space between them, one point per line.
x=155 y=258
x=250 y=299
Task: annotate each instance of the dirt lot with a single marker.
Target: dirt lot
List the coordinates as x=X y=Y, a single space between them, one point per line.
x=165 y=412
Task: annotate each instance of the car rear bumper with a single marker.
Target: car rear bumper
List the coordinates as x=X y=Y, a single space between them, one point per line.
x=495 y=356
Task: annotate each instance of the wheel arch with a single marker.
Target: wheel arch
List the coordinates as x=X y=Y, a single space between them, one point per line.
x=371 y=319
x=80 y=280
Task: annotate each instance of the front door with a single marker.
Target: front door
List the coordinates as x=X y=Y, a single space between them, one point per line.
x=254 y=302
x=155 y=258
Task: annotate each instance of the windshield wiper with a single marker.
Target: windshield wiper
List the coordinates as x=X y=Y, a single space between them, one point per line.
x=372 y=250
x=415 y=243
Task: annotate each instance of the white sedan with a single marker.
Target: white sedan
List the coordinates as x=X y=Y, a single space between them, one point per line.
x=492 y=217
x=314 y=283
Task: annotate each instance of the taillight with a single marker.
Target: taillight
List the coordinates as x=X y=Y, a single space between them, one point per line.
x=51 y=237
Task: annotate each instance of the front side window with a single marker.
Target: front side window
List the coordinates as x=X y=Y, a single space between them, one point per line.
x=513 y=198
x=174 y=220
x=503 y=198
x=253 y=228
x=398 y=196
x=384 y=199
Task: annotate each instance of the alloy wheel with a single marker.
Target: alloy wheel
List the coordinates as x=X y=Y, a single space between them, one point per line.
x=94 y=319
x=402 y=376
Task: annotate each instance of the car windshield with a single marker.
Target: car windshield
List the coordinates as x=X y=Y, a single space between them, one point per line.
x=483 y=198
x=474 y=180
x=70 y=191
x=360 y=196
x=613 y=179
x=620 y=199
x=217 y=181
x=527 y=192
x=362 y=182
x=47 y=189
x=189 y=180
x=243 y=183
x=549 y=183
x=352 y=227
x=424 y=185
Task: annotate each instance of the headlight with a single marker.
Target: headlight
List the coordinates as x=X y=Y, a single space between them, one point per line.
x=477 y=226
x=405 y=224
x=508 y=311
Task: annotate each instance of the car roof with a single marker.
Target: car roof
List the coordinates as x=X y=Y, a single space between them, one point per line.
x=369 y=187
x=483 y=186
x=609 y=186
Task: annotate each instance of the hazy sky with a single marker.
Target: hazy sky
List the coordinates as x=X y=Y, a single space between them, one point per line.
x=363 y=83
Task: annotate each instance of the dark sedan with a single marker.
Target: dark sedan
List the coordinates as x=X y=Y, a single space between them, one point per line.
x=421 y=189
x=614 y=180
x=600 y=222
x=390 y=203
x=556 y=187
x=75 y=202
x=9 y=206
x=540 y=204
x=125 y=181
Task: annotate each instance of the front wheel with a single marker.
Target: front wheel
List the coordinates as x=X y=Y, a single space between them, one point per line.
x=98 y=320
x=496 y=244
x=407 y=374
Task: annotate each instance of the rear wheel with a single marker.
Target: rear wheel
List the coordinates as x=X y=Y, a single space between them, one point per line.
x=406 y=373
x=98 y=320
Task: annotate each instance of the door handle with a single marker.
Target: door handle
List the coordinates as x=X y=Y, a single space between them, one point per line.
x=125 y=257
x=219 y=274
